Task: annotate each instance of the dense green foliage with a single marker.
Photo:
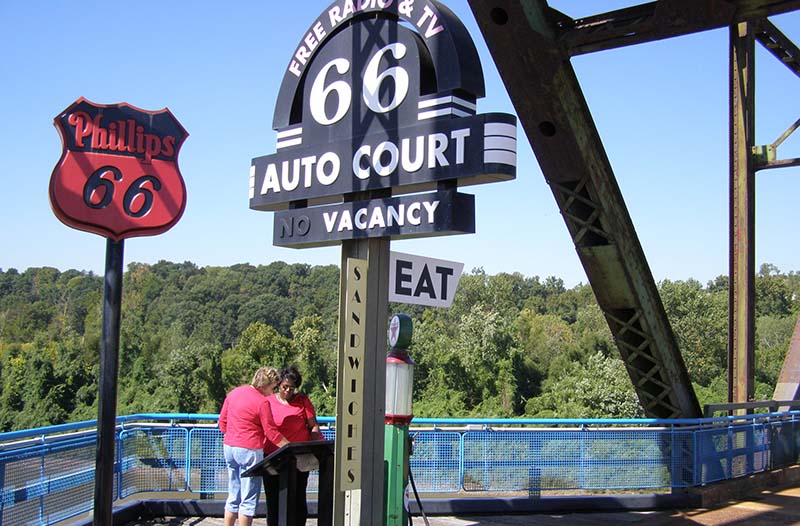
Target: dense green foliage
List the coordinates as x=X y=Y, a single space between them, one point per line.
x=509 y=346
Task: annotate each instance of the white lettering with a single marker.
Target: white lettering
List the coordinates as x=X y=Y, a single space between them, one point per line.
x=431 y=207
x=334 y=16
x=328 y=177
x=360 y=219
x=369 y=218
x=397 y=215
x=289 y=181
x=349 y=9
x=376 y=220
x=302 y=55
x=358 y=170
x=406 y=8
x=431 y=31
x=319 y=31
x=385 y=169
x=413 y=214
x=311 y=42
x=271 y=180
x=308 y=167
x=330 y=220
x=419 y=157
x=459 y=136
x=346 y=223
x=437 y=144
x=386 y=157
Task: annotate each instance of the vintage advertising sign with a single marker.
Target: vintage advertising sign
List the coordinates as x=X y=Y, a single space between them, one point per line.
x=418 y=215
x=380 y=96
x=423 y=281
x=118 y=174
x=351 y=396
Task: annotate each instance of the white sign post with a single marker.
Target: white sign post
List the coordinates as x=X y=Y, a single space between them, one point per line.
x=423 y=281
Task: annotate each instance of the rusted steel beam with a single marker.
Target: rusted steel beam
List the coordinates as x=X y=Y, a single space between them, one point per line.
x=548 y=100
x=659 y=20
x=778 y=44
x=788 y=386
x=741 y=295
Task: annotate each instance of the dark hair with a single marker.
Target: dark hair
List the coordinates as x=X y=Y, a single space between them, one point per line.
x=291 y=373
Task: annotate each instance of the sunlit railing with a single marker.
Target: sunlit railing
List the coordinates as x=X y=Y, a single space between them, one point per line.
x=47 y=474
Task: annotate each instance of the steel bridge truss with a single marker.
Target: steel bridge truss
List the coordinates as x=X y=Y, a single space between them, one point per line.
x=532 y=44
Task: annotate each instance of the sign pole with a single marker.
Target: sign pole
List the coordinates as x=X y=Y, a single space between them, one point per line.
x=117 y=177
x=377 y=128
x=361 y=383
x=107 y=402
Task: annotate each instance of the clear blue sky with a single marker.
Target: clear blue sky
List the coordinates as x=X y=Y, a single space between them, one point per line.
x=661 y=110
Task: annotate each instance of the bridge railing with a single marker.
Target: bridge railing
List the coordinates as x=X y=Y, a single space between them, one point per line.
x=47 y=474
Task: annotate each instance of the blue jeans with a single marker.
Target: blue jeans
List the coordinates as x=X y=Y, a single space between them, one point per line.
x=242 y=491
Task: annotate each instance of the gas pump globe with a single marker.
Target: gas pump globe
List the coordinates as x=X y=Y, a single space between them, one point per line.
x=399 y=372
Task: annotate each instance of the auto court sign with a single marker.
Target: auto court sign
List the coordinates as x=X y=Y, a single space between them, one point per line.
x=380 y=95
x=377 y=130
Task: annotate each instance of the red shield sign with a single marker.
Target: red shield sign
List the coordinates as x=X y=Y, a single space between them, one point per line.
x=118 y=174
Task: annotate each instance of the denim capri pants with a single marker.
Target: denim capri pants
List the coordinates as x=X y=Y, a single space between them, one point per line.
x=243 y=492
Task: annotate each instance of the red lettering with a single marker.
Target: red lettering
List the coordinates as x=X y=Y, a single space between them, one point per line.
x=83 y=126
x=140 y=139
x=99 y=134
x=168 y=146
x=119 y=136
x=131 y=135
x=112 y=136
x=152 y=146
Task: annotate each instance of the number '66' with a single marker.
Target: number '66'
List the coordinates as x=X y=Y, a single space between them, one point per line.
x=370 y=90
x=103 y=188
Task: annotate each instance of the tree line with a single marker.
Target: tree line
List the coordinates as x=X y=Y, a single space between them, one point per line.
x=510 y=346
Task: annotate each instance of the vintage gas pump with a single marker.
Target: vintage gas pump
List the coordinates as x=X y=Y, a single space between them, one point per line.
x=399 y=386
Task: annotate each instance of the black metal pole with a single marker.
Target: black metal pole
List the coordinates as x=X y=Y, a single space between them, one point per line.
x=107 y=401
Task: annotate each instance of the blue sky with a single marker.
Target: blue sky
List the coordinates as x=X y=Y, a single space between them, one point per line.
x=661 y=109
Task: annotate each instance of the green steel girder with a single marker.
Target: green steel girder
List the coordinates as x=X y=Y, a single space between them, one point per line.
x=742 y=211
x=531 y=44
x=523 y=38
x=659 y=20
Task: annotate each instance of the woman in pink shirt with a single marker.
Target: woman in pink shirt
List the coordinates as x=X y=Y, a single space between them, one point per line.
x=243 y=419
x=291 y=418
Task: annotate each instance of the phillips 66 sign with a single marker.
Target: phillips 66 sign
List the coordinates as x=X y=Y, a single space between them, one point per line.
x=118 y=174
x=377 y=127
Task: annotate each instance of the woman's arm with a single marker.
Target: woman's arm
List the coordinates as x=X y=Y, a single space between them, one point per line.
x=223 y=417
x=313 y=426
x=311 y=420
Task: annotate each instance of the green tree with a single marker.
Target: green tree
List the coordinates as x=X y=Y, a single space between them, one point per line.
x=261 y=345
x=597 y=389
x=700 y=321
x=772 y=342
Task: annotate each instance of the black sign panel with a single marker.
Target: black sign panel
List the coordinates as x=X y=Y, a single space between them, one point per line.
x=380 y=95
x=419 y=215
x=472 y=150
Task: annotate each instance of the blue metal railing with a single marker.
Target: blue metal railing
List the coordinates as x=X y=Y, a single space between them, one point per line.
x=47 y=474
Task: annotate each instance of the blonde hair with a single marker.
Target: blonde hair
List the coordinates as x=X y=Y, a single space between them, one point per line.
x=264 y=377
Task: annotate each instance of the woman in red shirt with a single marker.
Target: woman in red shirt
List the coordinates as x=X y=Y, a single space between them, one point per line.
x=243 y=419
x=291 y=418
